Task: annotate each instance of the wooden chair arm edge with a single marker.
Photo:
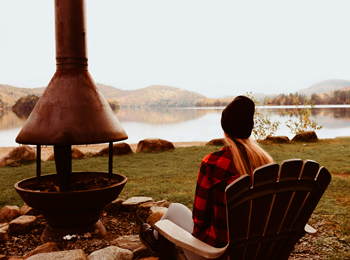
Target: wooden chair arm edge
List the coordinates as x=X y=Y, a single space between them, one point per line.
x=184 y=239
x=310 y=230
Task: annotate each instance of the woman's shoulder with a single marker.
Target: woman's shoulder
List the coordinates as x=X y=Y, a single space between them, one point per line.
x=213 y=157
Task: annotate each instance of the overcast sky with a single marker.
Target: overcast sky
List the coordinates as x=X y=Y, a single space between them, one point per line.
x=215 y=47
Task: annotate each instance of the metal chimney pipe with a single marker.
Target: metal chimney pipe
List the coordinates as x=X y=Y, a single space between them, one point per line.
x=70 y=24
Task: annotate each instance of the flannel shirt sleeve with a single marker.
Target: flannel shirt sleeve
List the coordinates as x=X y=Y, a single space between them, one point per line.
x=203 y=204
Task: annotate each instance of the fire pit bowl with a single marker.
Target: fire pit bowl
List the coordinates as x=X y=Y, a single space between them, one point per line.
x=71 y=212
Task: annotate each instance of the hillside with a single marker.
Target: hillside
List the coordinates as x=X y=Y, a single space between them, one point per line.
x=326 y=86
x=10 y=94
x=157 y=96
x=154 y=96
x=163 y=96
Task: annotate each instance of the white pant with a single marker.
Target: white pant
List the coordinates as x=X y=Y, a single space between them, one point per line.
x=181 y=216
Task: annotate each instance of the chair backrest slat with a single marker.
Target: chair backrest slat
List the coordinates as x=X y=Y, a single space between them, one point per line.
x=267 y=213
x=290 y=169
x=309 y=170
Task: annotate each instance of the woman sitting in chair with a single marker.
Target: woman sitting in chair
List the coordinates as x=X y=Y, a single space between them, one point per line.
x=218 y=169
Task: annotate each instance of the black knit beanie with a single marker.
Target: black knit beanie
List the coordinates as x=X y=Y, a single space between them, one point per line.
x=237 y=118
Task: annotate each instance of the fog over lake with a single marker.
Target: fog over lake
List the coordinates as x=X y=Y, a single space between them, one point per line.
x=191 y=124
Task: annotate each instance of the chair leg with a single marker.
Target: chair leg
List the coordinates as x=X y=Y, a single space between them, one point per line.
x=166 y=248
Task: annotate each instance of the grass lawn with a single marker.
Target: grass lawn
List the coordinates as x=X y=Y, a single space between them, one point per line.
x=172 y=175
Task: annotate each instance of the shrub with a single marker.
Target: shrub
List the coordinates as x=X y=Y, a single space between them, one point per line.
x=304 y=121
x=263 y=125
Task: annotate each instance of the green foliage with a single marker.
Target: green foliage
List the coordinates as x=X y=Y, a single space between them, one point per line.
x=26 y=103
x=114 y=105
x=263 y=125
x=285 y=100
x=304 y=121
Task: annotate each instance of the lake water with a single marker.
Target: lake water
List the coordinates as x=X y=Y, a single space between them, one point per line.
x=190 y=124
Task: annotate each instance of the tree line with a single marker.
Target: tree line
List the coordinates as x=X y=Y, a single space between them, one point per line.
x=337 y=97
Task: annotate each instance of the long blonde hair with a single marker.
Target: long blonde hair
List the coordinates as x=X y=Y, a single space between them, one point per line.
x=247 y=155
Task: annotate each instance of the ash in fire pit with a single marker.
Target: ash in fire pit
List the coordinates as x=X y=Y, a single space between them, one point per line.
x=91 y=184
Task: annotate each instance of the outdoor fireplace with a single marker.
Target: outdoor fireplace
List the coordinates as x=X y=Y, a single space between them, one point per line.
x=71 y=111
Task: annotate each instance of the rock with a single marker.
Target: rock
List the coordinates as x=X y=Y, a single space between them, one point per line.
x=133 y=203
x=158 y=209
x=277 y=139
x=154 y=218
x=309 y=136
x=132 y=243
x=76 y=254
x=22 y=224
x=4 y=227
x=148 y=205
x=144 y=210
x=4 y=236
x=21 y=153
x=51 y=157
x=9 y=213
x=76 y=154
x=114 y=206
x=26 y=210
x=118 y=149
x=220 y=141
x=153 y=144
x=111 y=253
x=45 y=248
x=6 y=161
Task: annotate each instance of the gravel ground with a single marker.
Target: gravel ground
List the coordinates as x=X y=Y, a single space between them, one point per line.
x=119 y=224
x=116 y=224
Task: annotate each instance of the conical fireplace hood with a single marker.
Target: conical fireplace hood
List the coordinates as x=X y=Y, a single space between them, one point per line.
x=71 y=110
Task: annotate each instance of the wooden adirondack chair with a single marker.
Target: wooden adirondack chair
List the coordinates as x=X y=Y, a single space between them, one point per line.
x=266 y=214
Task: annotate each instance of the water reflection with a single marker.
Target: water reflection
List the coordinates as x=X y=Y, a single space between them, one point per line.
x=335 y=112
x=190 y=124
x=23 y=114
x=161 y=115
x=9 y=120
x=328 y=117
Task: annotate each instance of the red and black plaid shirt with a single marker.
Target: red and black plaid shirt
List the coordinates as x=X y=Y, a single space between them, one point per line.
x=209 y=207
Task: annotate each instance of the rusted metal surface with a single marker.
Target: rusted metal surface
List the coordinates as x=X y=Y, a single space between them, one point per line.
x=71 y=110
x=63 y=161
x=70 y=34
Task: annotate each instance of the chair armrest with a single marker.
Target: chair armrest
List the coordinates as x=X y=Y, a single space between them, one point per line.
x=310 y=230
x=184 y=239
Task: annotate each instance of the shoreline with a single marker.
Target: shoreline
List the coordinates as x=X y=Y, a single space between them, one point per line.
x=46 y=151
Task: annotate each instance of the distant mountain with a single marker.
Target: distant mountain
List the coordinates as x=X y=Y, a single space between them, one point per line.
x=326 y=86
x=161 y=96
x=156 y=95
